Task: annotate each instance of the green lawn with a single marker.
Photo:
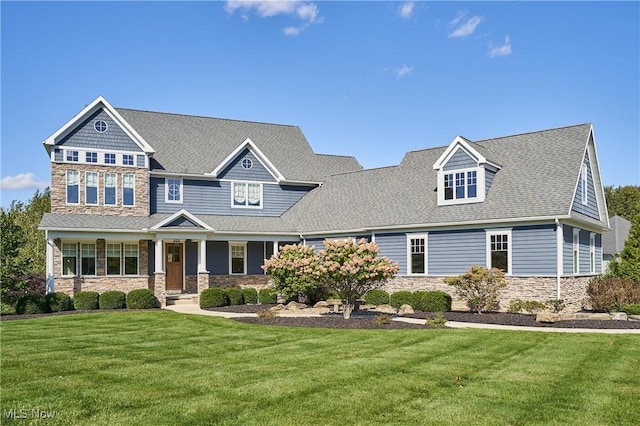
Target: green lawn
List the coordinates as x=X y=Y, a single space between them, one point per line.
x=160 y=367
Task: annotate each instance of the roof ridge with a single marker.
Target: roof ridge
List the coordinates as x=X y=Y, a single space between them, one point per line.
x=531 y=132
x=394 y=166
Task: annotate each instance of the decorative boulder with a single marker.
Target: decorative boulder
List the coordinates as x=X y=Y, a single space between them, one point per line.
x=386 y=309
x=405 y=309
x=321 y=304
x=278 y=307
x=619 y=316
x=295 y=305
x=547 y=317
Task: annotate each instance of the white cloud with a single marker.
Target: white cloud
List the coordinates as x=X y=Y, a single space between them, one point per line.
x=504 y=50
x=306 y=11
x=22 y=181
x=403 y=71
x=465 y=29
x=406 y=9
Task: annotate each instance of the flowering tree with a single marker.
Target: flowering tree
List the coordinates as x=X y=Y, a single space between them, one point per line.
x=352 y=268
x=294 y=269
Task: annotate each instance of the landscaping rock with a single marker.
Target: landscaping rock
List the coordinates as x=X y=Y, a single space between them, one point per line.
x=321 y=304
x=386 y=309
x=295 y=305
x=593 y=316
x=278 y=307
x=619 y=316
x=633 y=317
x=548 y=317
x=405 y=309
x=367 y=307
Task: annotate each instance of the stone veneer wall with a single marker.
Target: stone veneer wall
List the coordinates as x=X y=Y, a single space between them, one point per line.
x=254 y=281
x=59 y=190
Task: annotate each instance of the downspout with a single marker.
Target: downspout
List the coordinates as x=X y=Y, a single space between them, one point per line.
x=559 y=252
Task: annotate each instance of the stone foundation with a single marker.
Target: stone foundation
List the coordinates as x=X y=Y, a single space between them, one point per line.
x=191 y=284
x=72 y=285
x=160 y=288
x=254 y=281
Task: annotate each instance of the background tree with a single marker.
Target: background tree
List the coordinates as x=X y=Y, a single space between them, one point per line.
x=627 y=265
x=28 y=216
x=623 y=201
x=11 y=265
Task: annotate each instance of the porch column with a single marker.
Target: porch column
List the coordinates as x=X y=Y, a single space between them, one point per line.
x=50 y=266
x=275 y=247
x=159 y=282
x=203 y=274
x=159 y=256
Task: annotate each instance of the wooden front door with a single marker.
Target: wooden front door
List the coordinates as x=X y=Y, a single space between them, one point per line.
x=174 y=262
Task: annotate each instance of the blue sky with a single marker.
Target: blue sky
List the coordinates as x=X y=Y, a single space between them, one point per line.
x=369 y=79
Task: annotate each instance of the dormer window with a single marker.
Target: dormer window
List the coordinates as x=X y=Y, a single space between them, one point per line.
x=465 y=185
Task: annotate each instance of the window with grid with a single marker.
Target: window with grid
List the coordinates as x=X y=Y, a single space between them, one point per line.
x=128 y=189
x=238 y=260
x=91 y=157
x=113 y=259
x=109 y=158
x=91 y=188
x=72 y=156
x=131 y=259
x=88 y=259
x=127 y=160
x=418 y=255
x=110 y=186
x=73 y=186
x=500 y=252
x=247 y=194
x=69 y=258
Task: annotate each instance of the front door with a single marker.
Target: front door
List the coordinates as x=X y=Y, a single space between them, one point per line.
x=174 y=262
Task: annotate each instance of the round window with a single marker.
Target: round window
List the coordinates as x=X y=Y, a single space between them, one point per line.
x=100 y=126
x=247 y=163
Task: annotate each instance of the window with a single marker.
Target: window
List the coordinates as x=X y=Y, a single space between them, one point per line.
x=592 y=253
x=113 y=259
x=91 y=157
x=417 y=254
x=88 y=259
x=128 y=189
x=459 y=185
x=448 y=187
x=109 y=158
x=100 y=126
x=131 y=259
x=91 y=188
x=583 y=184
x=73 y=185
x=72 y=155
x=238 y=264
x=110 y=185
x=576 y=251
x=69 y=258
x=247 y=195
x=127 y=159
x=466 y=185
x=472 y=184
x=247 y=163
x=499 y=250
x=173 y=190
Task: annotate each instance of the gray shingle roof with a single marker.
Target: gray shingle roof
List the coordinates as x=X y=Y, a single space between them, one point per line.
x=197 y=145
x=94 y=222
x=613 y=241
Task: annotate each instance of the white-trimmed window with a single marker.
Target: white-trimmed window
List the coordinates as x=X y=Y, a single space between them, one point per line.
x=69 y=259
x=73 y=187
x=91 y=157
x=114 y=256
x=91 y=188
x=127 y=160
x=583 y=184
x=72 y=156
x=499 y=250
x=417 y=254
x=237 y=258
x=592 y=253
x=576 y=251
x=110 y=189
x=88 y=265
x=173 y=190
x=128 y=189
x=109 y=158
x=460 y=186
x=131 y=259
x=246 y=195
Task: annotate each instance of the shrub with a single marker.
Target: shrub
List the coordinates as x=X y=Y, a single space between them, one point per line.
x=235 y=295
x=267 y=296
x=400 y=298
x=31 y=304
x=376 y=297
x=533 y=306
x=631 y=309
x=432 y=301
x=438 y=321
x=7 y=309
x=479 y=287
x=57 y=302
x=383 y=319
x=556 y=304
x=250 y=295
x=267 y=314
x=213 y=297
x=142 y=298
x=610 y=294
x=24 y=285
x=113 y=300
x=86 y=300
x=516 y=306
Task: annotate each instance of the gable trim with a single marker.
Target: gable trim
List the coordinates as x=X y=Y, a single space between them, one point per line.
x=248 y=144
x=461 y=143
x=181 y=213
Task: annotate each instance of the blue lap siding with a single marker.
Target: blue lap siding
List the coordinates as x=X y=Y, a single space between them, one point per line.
x=534 y=250
x=453 y=252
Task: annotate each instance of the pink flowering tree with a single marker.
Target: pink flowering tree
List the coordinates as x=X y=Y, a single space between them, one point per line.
x=352 y=268
x=295 y=269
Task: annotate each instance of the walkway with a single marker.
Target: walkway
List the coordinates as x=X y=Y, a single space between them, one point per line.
x=194 y=309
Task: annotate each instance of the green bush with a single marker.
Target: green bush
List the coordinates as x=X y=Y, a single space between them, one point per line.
x=250 y=295
x=631 y=309
x=383 y=319
x=113 y=300
x=432 y=301
x=235 y=295
x=142 y=298
x=610 y=294
x=86 y=300
x=556 y=304
x=267 y=296
x=400 y=298
x=7 y=309
x=376 y=297
x=57 y=302
x=479 y=287
x=213 y=297
x=31 y=304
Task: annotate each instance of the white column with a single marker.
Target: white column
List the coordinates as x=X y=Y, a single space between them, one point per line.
x=50 y=266
x=559 y=256
x=202 y=256
x=275 y=247
x=159 y=255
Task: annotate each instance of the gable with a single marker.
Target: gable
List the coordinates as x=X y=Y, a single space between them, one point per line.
x=460 y=160
x=181 y=222
x=246 y=166
x=113 y=138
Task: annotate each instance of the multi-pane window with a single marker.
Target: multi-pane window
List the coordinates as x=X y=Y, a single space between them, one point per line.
x=69 y=258
x=113 y=259
x=127 y=159
x=499 y=246
x=109 y=158
x=576 y=251
x=128 y=189
x=461 y=185
x=72 y=155
x=417 y=248
x=472 y=179
x=174 y=190
x=88 y=259
x=131 y=259
x=238 y=258
x=247 y=194
x=110 y=187
x=592 y=254
x=448 y=186
x=91 y=157
x=73 y=186
x=91 y=188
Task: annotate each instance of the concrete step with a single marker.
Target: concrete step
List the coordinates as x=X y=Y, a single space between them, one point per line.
x=182 y=299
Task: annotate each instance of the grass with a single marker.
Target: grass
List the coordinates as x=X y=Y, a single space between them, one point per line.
x=122 y=368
